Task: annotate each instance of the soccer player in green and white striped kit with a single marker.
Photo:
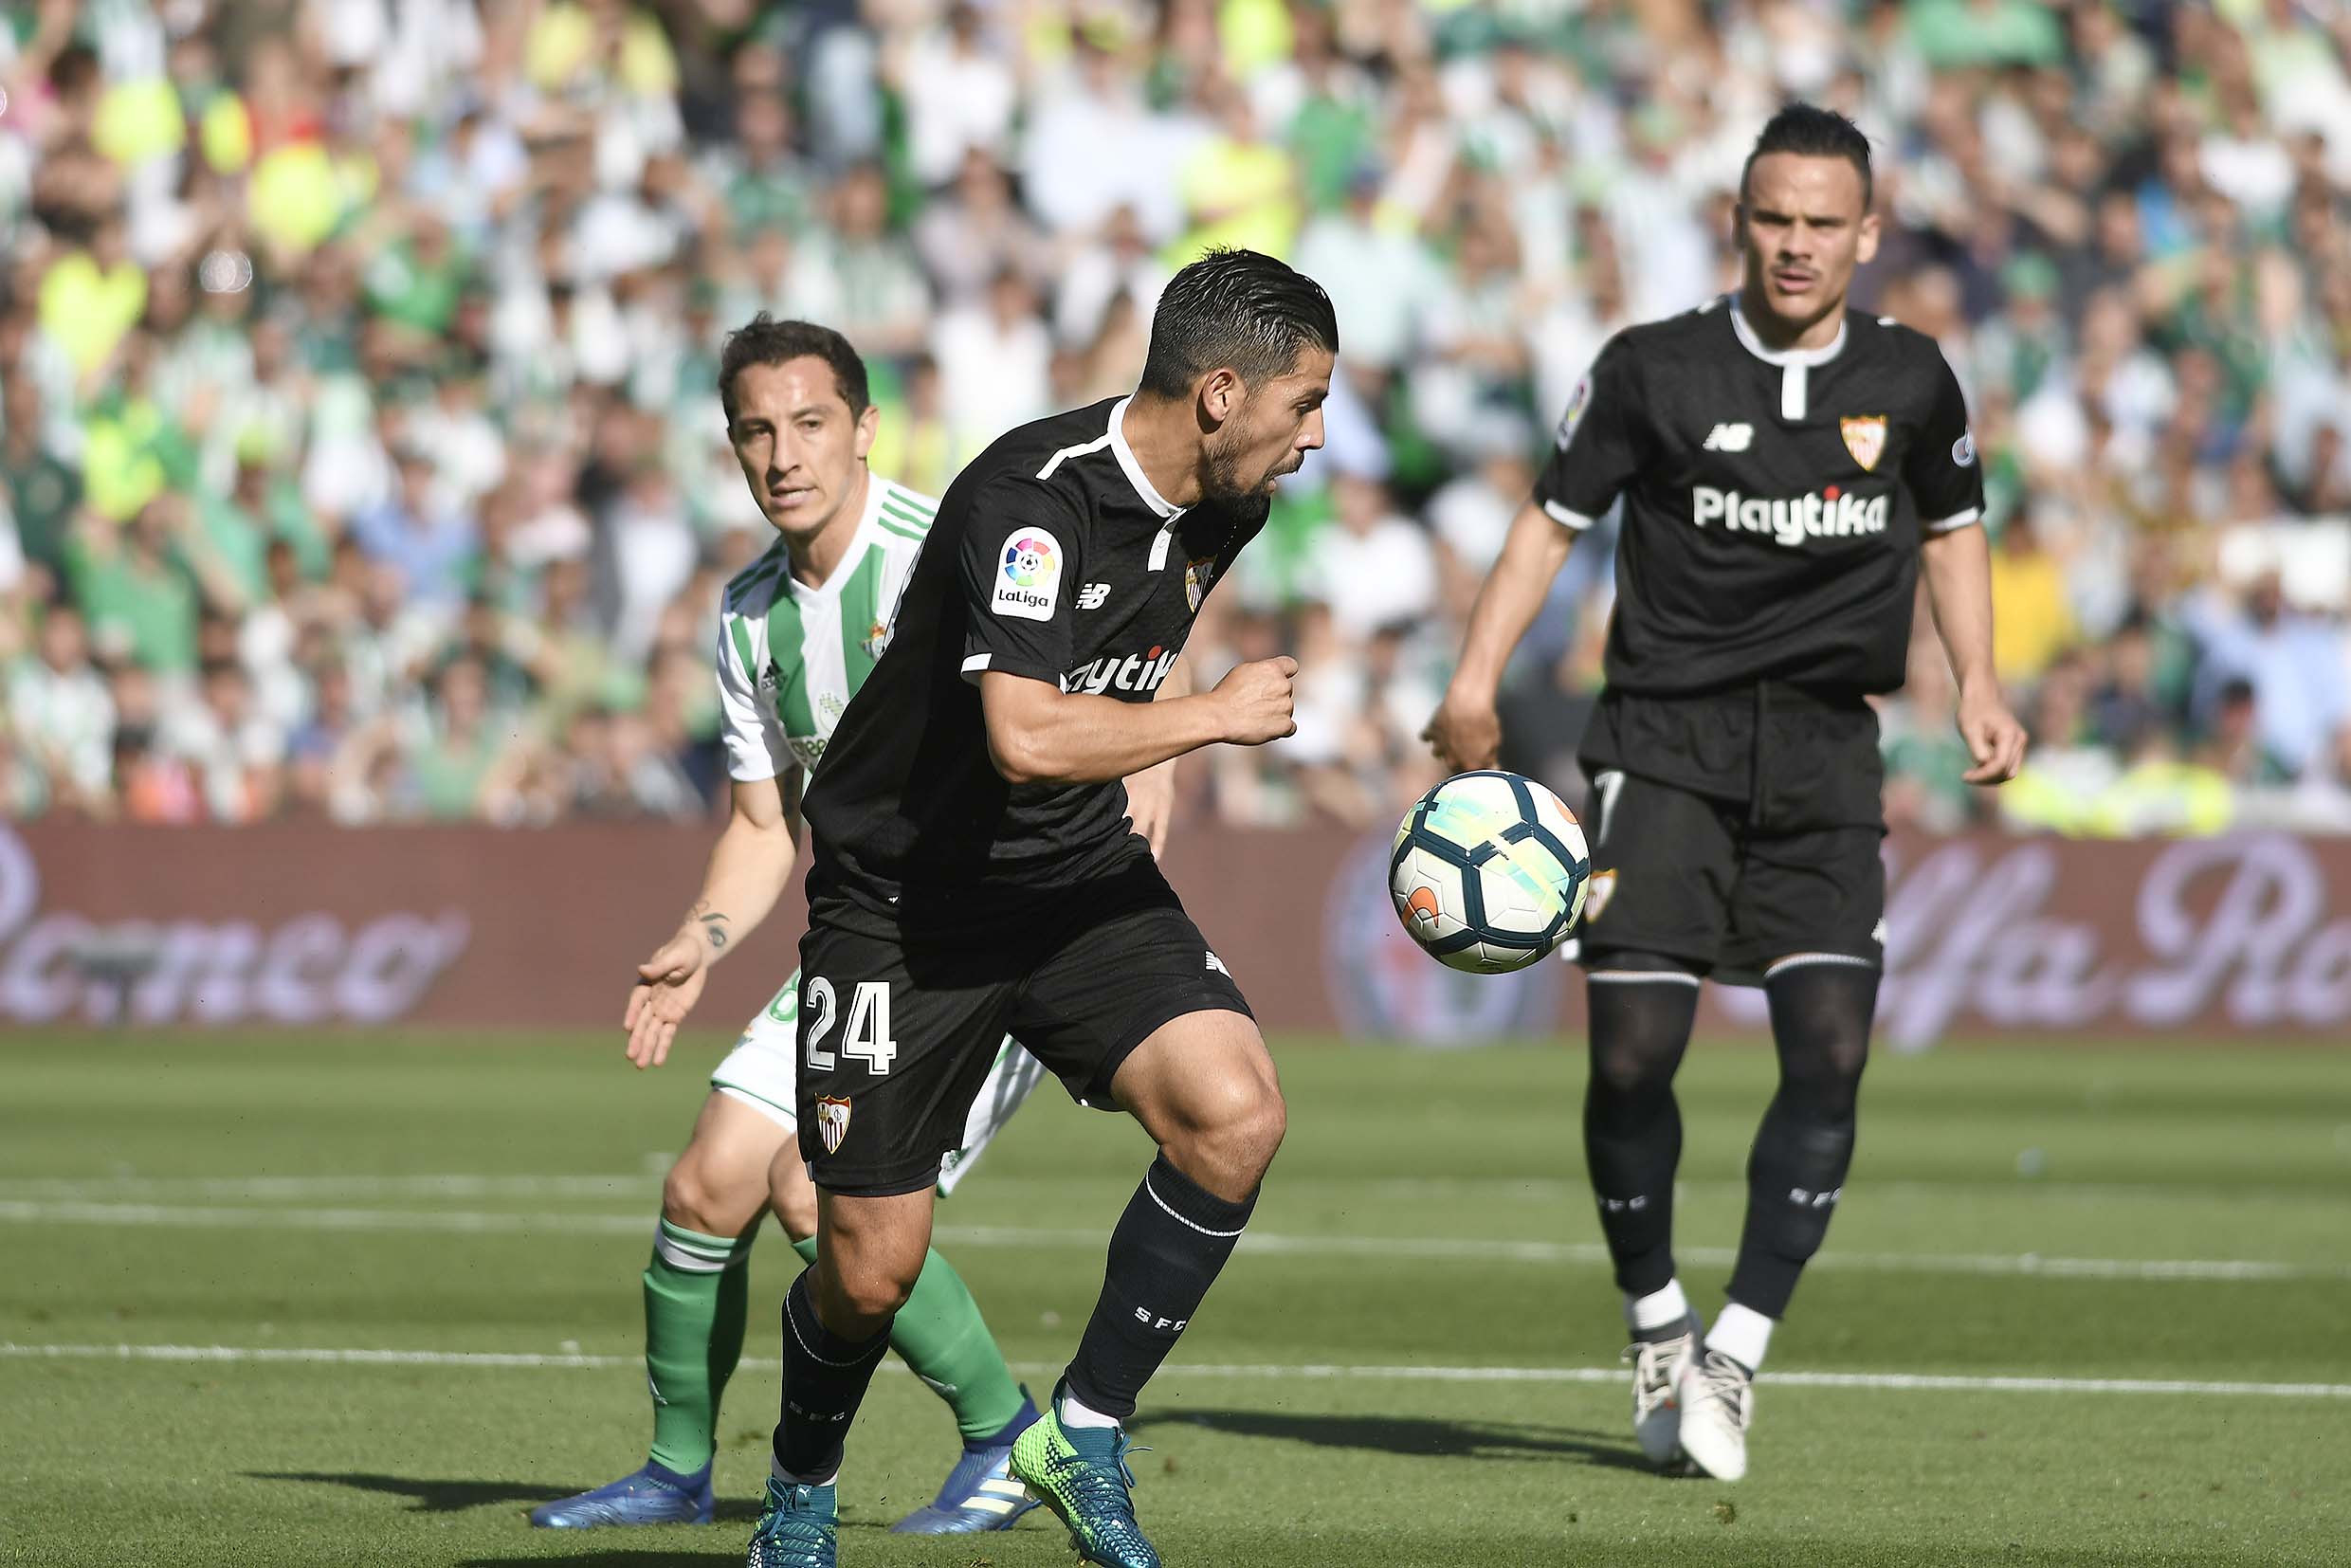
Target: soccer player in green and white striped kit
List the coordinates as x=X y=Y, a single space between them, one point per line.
x=801 y=629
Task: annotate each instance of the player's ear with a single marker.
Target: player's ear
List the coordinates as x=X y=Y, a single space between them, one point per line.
x=1866 y=250
x=868 y=426
x=1221 y=394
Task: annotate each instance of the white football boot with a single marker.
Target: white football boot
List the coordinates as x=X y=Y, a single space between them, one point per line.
x=1656 y=1407
x=1717 y=1396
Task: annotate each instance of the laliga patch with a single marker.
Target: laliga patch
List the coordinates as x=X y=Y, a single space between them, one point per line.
x=1865 y=437
x=1963 y=449
x=832 y=1122
x=1027 y=575
x=1601 y=889
x=1575 y=409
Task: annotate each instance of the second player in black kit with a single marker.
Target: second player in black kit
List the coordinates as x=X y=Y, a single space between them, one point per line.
x=1786 y=469
x=975 y=872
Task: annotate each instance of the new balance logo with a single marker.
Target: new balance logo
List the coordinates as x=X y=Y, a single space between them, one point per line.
x=1219 y=965
x=1730 y=438
x=1093 y=595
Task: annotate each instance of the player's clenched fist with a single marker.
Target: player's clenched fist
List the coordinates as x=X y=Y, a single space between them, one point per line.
x=1464 y=735
x=1257 y=700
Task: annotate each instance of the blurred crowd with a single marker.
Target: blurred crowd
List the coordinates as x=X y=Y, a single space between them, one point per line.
x=360 y=453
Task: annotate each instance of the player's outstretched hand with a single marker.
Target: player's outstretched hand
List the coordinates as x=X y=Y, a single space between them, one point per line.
x=1466 y=734
x=1993 y=737
x=669 y=985
x=1257 y=700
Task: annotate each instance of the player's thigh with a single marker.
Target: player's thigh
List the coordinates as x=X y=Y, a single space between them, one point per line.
x=895 y=1039
x=1662 y=865
x=791 y=1193
x=1127 y=961
x=1011 y=1079
x=1204 y=1075
x=720 y=1185
x=869 y=1251
x=1819 y=894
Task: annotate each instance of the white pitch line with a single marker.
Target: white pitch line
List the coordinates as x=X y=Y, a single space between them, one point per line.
x=632 y=1183
x=476 y=1222
x=1900 y=1382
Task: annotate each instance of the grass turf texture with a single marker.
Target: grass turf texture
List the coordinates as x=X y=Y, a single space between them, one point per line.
x=1427 y=1213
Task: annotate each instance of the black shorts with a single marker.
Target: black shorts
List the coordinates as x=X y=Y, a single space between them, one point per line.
x=897 y=1031
x=1775 y=853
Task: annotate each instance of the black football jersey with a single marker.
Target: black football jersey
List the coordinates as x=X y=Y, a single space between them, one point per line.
x=1052 y=558
x=1774 y=503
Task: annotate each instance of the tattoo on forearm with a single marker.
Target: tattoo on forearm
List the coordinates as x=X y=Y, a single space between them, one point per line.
x=713 y=923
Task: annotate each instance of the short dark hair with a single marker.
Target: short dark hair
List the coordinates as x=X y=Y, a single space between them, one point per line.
x=1813 y=132
x=1234 y=308
x=764 y=341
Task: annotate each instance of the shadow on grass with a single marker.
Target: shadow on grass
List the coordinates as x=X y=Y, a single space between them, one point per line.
x=433 y=1495
x=1413 y=1436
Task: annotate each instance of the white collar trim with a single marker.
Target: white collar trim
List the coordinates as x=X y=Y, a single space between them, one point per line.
x=1782 y=357
x=1167 y=510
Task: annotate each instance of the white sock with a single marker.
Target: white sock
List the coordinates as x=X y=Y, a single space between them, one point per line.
x=1743 y=1333
x=789 y=1479
x=1074 y=1413
x=1658 y=1309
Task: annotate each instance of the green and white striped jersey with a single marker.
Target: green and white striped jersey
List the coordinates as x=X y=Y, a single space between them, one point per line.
x=790 y=656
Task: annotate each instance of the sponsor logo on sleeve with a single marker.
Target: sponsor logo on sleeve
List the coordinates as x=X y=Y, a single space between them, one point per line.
x=1576 y=407
x=1963 y=449
x=1027 y=575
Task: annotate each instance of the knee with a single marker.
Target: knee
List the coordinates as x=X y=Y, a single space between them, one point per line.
x=1230 y=1140
x=1828 y=1079
x=1630 y=1070
x=700 y=1198
x=861 y=1290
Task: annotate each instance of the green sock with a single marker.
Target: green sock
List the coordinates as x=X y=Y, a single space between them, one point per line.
x=695 y=1299
x=941 y=1336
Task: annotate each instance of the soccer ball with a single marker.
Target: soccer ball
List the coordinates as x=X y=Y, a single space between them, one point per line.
x=1489 y=872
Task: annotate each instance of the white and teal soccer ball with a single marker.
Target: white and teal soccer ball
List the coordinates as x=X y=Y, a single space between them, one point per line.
x=1489 y=872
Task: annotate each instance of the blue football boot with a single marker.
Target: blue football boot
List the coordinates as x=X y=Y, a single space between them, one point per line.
x=650 y=1496
x=979 y=1493
x=797 y=1527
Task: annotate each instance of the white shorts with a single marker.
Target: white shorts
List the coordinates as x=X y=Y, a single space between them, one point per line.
x=762 y=1071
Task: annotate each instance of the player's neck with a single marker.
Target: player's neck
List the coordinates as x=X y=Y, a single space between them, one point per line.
x=815 y=558
x=1166 y=443
x=1782 y=336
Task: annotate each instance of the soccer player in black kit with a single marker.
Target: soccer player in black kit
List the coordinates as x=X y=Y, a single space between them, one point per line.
x=1787 y=468
x=975 y=872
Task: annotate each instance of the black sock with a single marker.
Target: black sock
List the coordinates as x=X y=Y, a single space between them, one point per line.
x=825 y=1379
x=1633 y=1127
x=1820 y=1022
x=1165 y=1252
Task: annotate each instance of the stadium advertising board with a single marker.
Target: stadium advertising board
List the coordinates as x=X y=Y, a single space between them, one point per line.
x=314 y=925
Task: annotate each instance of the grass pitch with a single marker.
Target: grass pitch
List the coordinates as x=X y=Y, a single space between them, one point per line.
x=364 y=1299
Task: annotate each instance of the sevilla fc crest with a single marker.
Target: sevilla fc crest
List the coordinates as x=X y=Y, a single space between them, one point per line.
x=832 y=1122
x=1865 y=438
x=1197 y=577
x=1601 y=889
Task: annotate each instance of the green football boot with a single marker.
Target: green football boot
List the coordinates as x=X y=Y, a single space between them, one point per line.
x=1081 y=1474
